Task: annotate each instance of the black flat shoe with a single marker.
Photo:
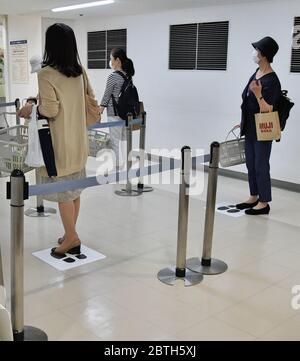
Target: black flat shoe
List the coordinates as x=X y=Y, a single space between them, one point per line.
x=75 y=250
x=242 y=206
x=257 y=212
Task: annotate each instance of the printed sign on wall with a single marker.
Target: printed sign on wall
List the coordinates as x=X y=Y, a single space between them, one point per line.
x=19 y=61
x=2 y=63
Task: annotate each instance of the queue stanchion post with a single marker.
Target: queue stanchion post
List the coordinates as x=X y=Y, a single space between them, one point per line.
x=2 y=288
x=18 y=106
x=141 y=187
x=128 y=191
x=40 y=210
x=1 y=270
x=208 y=265
x=170 y=275
x=17 y=192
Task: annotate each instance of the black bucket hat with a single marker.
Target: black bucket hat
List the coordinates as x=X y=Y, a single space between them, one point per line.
x=268 y=47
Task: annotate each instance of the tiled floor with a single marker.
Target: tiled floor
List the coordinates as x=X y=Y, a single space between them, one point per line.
x=120 y=298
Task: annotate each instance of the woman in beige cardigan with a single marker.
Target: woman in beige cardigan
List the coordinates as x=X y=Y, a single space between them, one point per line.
x=62 y=101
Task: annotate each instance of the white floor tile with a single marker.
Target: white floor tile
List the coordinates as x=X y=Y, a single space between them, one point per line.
x=59 y=327
x=286 y=331
x=213 y=330
x=260 y=313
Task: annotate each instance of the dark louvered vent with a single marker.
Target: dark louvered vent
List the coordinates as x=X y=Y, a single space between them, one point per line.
x=199 y=46
x=183 y=45
x=116 y=39
x=100 y=43
x=295 y=62
x=212 y=46
x=97 y=50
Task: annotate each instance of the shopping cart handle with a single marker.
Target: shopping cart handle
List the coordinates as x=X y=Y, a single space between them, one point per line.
x=232 y=131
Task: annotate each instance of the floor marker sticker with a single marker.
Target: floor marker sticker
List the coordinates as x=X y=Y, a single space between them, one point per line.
x=229 y=209
x=70 y=261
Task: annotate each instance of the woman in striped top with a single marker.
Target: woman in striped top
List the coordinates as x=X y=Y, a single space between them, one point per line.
x=119 y=63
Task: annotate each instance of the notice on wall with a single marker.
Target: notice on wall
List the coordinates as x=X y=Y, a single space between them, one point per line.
x=19 y=61
x=2 y=64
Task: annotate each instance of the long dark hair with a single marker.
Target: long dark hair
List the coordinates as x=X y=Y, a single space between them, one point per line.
x=127 y=64
x=61 y=50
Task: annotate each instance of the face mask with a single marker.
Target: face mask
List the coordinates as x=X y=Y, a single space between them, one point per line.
x=255 y=57
x=110 y=64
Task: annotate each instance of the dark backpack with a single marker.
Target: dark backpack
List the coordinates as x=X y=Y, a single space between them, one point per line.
x=128 y=99
x=284 y=107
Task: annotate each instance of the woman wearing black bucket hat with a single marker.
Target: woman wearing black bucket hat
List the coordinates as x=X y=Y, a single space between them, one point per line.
x=260 y=95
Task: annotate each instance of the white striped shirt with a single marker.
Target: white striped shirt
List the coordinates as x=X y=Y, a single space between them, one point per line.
x=114 y=85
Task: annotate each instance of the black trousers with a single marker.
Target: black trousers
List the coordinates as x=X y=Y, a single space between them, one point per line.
x=258 y=165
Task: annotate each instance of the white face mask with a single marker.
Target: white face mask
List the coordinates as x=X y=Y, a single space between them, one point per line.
x=110 y=64
x=255 y=57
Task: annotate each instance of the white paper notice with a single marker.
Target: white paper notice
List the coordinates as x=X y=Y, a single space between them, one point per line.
x=19 y=61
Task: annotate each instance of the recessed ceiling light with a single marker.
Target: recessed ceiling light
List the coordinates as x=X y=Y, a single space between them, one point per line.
x=83 y=6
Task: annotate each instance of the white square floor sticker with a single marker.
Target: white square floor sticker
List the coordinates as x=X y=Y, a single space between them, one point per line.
x=229 y=209
x=86 y=256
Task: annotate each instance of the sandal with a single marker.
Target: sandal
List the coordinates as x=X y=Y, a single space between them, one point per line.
x=74 y=250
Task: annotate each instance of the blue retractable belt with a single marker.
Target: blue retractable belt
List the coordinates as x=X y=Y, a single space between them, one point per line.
x=63 y=186
x=118 y=123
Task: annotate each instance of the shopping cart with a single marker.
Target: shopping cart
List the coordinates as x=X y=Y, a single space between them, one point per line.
x=98 y=140
x=4 y=123
x=13 y=149
x=232 y=152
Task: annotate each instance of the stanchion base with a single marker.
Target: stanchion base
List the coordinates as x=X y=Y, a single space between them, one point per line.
x=216 y=267
x=168 y=276
x=31 y=334
x=32 y=212
x=144 y=189
x=124 y=193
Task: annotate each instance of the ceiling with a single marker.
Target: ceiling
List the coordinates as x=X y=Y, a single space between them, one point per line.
x=120 y=7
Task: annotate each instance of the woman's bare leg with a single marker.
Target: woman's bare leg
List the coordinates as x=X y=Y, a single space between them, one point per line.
x=68 y=214
x=76 y=213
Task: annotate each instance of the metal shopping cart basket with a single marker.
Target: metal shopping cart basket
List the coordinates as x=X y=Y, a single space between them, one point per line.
x=4 y=123
x=13 y=149
x=232 y=152
x=97 y=140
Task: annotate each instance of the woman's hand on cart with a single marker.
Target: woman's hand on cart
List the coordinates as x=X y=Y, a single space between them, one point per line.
x=26 y=110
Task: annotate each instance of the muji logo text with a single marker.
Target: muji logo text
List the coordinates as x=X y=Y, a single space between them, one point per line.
x=266 y=127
